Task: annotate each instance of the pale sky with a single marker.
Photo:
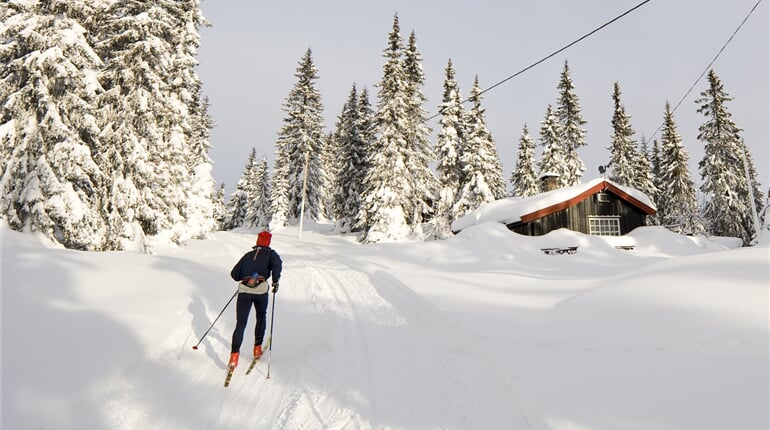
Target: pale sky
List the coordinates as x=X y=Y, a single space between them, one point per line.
x=250 y=53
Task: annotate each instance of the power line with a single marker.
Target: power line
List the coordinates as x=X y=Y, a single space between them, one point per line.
x=708 y=67
x=576 y=41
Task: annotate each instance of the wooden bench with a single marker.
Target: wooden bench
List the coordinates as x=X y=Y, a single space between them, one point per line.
x=565 y=250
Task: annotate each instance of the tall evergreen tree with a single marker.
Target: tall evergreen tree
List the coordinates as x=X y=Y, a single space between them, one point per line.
x=235 y=210
x=655 y=173
x=219 y=212
x=153 y=121
x=482 y=179
x=623 y=148
x=137 y=107
x=523 y=178
x=553 y=159
x=655 y=168
x=677 y=203
x=629 y=163
x=196 y=203
x=417 y=152
x=257 y=190
x=331 y=165
x=245 y=208
x=386 y=200
x=352 y=157
x=262 y=200
x=122 y=76
x=48 y=131
x=366 y=129
x=336 y=146
x=301 y=148
x=643 y=179
x=449 y=147
x=727 y=208
x=571 y=130
x=279 y=186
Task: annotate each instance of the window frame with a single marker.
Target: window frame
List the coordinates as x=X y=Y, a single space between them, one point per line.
x=604 y=225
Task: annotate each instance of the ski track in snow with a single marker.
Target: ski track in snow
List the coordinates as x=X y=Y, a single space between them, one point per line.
x=378 y=369
x=360 y=345
x=328 y=370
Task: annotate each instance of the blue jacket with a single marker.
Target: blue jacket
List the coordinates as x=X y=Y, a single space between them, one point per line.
x=263 y=260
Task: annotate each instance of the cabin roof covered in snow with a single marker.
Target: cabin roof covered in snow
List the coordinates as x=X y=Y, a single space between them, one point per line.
x=518 y=209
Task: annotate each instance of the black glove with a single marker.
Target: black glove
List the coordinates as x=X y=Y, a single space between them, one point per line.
x=275 y=287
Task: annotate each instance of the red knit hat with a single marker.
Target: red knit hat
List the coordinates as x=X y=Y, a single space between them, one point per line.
x=263 y=238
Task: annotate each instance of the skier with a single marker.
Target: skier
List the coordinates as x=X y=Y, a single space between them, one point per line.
x=251 y=273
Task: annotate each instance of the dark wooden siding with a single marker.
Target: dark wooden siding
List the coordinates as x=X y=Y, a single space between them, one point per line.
x=576 y=217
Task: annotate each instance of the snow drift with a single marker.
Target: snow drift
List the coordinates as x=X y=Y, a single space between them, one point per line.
x=482 y=330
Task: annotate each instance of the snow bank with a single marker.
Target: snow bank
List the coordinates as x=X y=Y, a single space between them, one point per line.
x=483 y=330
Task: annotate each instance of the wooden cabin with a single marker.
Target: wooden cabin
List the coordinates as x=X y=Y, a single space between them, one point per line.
x=599 y=207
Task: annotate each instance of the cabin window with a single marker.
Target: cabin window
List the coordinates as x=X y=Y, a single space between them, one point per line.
x=602 y=197
x=604 y=225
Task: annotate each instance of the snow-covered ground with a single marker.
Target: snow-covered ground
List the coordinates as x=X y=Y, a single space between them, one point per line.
x=479 y=331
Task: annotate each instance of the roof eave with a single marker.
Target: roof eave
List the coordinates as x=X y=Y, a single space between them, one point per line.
x=601 y=186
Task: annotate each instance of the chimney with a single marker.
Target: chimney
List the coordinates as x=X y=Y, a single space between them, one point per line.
x=549 y=181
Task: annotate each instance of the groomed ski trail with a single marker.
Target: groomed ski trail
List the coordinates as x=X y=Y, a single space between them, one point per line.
x=350 y=352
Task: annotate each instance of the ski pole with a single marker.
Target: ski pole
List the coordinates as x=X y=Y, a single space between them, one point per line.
x=215 y=321
x=270 y=347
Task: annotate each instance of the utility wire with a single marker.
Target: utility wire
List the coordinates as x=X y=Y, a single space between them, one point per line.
x=554 y=53
x=730 y=39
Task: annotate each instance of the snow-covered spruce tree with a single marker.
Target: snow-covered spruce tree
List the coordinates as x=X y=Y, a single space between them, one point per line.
x=352 y=164
x=331 y=167
x=219 y=207
x=196 y=205
x=655 y=169
x=131 y=111
x=386 y=203
x=366 y=130
x=623 y=155
x=523 y=179
x=242 y=199
x=482 y=180
x=257 y=189
x=677 y=202
x=571 y=130
x=449 y=146
x=763 y=238
x=279 y=187
x=235 y=211
x=251 y=188
x=642 y=179
x=630 y=166
x=48 y=133
x=653 y=160
x=477 y=129
x=334 y=166
x=727 y=210
x=552 y=160
x=418 y=153
x=152 y=120
x=645 y=179
x=263 y=196
x=300 y=146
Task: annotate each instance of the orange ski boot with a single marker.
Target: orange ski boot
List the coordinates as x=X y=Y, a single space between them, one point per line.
x=257 y=351
x=233 y=363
